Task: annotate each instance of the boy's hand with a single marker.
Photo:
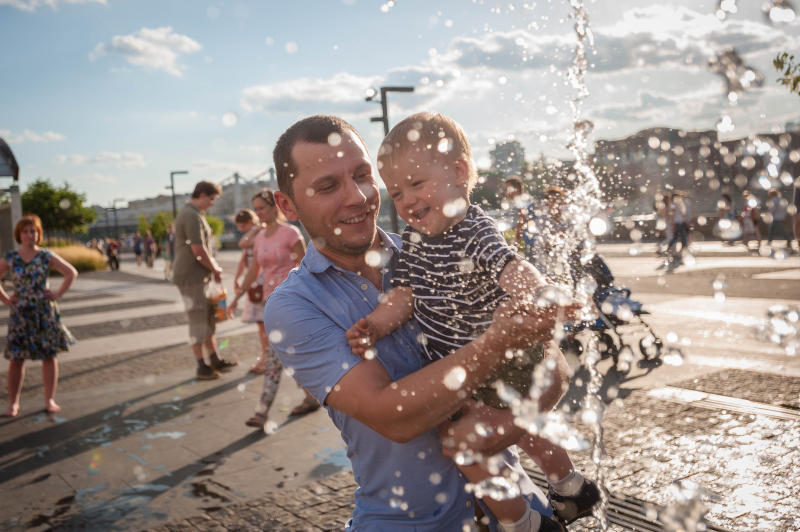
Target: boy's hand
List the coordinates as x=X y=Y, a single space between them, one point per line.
x=519 y=327
x=361 y=337
x=481 y=429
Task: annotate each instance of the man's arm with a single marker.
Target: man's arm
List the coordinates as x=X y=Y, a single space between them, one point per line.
x=404 y=409
x=201 y=254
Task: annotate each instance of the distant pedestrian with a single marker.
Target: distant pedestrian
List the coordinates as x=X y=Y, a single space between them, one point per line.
x=796 y=214
x=248 y=224
x=35 y=331
x=277 y=248
x=112 y=254
x=150 y=249
x=776 y=206
x=169 y=250
x=664 y=212
x=680 y=215
x=751 y=217
x=192 y=273
x=137 y=248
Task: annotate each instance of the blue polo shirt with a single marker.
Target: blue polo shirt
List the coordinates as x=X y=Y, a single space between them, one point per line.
x=402 y=486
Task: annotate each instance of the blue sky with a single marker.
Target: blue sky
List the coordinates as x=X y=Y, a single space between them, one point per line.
x=111 y=95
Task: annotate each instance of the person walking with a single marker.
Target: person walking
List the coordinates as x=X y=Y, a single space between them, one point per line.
x=277 y=249
x=751 y=216
x=776 y=206
x=35 y=331
x=137 y=248
x=192 y=273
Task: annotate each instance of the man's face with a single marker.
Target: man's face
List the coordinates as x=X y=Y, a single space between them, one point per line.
x=205 y=202
x=335 y=195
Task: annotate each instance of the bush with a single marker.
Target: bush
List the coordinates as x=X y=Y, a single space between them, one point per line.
x=82 y=258
x=58 y=242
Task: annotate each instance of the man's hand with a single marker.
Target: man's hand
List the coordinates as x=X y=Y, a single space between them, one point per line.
x=361 y=337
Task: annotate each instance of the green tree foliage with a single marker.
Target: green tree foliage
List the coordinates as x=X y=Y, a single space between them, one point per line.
x=789 y=70
x=61 y=209
x=217 y=225
x=143 y=225
x=159 y=224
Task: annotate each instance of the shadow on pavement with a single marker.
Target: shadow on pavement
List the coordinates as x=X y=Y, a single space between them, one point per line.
x=73 y=437
x=612 y=382
x=131 y=504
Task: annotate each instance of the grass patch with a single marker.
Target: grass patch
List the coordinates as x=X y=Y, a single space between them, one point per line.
x=82 y=258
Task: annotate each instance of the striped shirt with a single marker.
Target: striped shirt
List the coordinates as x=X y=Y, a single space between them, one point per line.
x=454 y=278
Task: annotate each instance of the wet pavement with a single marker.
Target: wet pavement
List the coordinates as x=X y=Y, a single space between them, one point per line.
x=141 y=445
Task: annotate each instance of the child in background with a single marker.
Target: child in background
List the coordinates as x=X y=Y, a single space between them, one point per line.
x=248 y=225
x=455 y=268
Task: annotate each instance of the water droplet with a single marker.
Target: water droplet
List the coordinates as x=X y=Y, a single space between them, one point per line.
x=275 y=336
x=455 y=208
x=455 y=378
x=725 y=124
x=334 y=139
x=337 y=230
x=673 y=356
x=598 y=226
x=291 y=47
x=435 y=478
x=445 y=145
x=229 y=119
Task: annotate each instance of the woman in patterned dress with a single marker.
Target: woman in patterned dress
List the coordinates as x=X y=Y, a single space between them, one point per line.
x=35 y=331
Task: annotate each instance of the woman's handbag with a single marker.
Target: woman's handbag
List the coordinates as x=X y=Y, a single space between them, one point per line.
x=256 y=294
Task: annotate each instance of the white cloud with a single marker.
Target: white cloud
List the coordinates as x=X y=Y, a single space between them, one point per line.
x=30 y=136
x=108 y=158
x=32 y=5
x=152 y=48
x=340 y=93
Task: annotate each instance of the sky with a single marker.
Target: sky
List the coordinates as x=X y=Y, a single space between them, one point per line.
x=110 y=96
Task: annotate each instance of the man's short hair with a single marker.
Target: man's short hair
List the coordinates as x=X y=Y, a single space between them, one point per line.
x=25 y=221
x=515 y=182
x=555 y=192
x=316 y=129
x=206 y=188
x=431 y=132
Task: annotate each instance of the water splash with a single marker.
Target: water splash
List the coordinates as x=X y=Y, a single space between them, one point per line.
x=738 y=76
x=781 y=327
x=779 y=11
x=726 y=7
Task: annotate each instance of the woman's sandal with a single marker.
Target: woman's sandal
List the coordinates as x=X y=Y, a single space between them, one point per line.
x=258 y=420
x=258 y=368
x=306 y=407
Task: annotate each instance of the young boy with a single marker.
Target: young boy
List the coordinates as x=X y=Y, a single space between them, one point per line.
x=455 y=268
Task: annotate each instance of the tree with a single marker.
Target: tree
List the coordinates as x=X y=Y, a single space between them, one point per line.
x=789 y=70
x=217 y=225
x=61 y=209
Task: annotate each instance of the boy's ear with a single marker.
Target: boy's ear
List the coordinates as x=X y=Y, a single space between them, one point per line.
x=286 y=205
x=462 y=169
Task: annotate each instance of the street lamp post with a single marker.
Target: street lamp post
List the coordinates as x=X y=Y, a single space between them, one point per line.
x=384 y=118
x=172 y=188
x=116 y=221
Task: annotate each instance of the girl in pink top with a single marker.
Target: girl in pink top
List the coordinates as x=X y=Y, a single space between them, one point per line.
x=277 y=248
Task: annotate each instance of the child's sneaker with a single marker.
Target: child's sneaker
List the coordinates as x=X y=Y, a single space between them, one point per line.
x=551 y=524
x=568 y=509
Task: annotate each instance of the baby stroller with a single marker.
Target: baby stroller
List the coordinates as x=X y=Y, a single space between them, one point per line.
x=615 y=309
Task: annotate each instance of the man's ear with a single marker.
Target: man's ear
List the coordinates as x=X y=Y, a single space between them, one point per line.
x=286 y=205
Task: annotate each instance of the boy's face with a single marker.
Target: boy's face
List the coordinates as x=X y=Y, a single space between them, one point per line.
x=429 y=190
x=244 y=227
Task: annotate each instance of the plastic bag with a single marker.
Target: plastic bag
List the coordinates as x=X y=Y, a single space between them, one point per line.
x=217 y=296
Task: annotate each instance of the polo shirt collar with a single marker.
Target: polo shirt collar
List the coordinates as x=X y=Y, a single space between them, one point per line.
x=316 y=262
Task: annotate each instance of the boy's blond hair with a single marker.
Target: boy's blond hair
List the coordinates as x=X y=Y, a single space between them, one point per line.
x=434 y=134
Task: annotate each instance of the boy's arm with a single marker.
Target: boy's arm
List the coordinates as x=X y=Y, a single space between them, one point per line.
x=402 y=410
x=394 y=310
x=521 y=280
x=239 y=270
